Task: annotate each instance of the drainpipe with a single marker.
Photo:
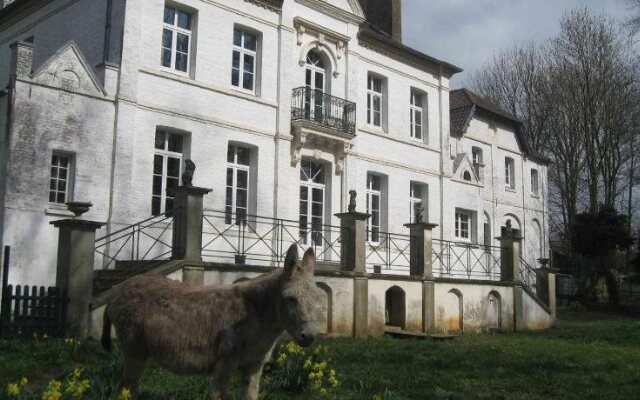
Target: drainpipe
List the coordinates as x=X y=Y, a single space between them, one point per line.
x=276 y=163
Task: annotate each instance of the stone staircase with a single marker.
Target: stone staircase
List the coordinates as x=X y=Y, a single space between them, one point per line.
x=103 y=280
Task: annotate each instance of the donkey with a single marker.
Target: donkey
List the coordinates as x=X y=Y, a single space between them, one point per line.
x=217 y=330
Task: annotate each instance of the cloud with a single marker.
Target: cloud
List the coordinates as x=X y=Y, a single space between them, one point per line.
x=468 y=32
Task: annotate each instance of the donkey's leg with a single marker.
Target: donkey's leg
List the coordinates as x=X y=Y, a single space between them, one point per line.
x=251 y=382
x=132 y=368
x=221 y=379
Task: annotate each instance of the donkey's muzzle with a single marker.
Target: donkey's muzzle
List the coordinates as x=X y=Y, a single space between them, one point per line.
x=306 y=339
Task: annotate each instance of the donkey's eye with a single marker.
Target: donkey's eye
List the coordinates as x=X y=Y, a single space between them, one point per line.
x=291 y=301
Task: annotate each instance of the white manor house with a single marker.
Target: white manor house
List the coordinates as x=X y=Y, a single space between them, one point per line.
x=284 y=107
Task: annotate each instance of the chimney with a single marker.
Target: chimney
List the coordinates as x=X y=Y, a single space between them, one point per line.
x=386 y=15
x=21 y=59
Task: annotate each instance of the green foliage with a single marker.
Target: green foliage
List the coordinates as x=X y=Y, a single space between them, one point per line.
x=586 y=356
x=599 y=234
x=295 y=370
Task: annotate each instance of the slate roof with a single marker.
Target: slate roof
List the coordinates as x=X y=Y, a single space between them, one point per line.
x=465 y=104
x=372 y=32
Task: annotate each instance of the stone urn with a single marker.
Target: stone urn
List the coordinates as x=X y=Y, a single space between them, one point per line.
x=78 y=207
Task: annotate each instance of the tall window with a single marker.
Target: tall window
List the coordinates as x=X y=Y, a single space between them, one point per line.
x=176 y=39
x=374 y=101
x=417 y=111
x=535 y=189
x=374 y=201
x=316 y=84
x=509 y=173
x=312 y=187
x=167 y=165
x=60 y=182
x=417 y=195
x=243 y=70
x=237 y=199
x=463 y=225
x=476 y=153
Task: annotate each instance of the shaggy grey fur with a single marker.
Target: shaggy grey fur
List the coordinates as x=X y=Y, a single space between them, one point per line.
x=218 y=330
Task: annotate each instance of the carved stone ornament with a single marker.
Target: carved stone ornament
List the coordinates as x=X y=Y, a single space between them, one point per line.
x=352 y=201
x=187 y=175
x=300 y=30
x=418 y=212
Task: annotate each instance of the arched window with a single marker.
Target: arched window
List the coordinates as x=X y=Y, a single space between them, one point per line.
x=467 y=176
x=395 y=308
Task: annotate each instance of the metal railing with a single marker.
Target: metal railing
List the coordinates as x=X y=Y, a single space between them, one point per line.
x=390 y=255
x=148 y=240
x=528 y=276
x=240 y=239
x=465 y=260
x=316 y=106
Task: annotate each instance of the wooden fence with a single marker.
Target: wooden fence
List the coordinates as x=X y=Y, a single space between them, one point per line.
x=29 y=311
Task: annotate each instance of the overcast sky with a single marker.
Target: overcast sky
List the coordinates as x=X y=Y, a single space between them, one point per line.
x=467 y=33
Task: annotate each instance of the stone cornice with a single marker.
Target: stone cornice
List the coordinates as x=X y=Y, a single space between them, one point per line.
x=273 y=5
x=299 y=21
x=333 y=11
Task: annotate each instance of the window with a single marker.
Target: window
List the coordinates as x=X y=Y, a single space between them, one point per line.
x=534 y=182
x=466 y=176
x=374 y=201
x=418 y=195
x=476 y=153
x=312 y=188
x=374 y=101
x=237 y=196
x=176 y=39
x=416 y=115
x=463 y=225
x=509 y=173
x=167 y=166
x=60 y=182
x=243 y=69
x=316 y=85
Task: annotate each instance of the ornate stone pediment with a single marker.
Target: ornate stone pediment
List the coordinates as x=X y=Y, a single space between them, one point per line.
x=317 y=139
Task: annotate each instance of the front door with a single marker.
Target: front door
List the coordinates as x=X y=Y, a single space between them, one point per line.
x=312 y=187
x=315 y=84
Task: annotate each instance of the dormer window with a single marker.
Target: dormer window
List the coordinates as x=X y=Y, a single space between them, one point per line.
x=467 y=176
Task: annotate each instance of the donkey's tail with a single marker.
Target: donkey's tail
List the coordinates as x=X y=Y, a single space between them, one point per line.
x=106 y=332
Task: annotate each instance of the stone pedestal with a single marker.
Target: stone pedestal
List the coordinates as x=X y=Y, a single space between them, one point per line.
x=421 y=249
x=187 y=223
x=510 y=255
x=361 y=307
x=428 y=307
x=354 y=237
x=76 y=243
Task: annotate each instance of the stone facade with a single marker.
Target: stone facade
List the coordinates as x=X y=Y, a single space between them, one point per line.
x=96 y=92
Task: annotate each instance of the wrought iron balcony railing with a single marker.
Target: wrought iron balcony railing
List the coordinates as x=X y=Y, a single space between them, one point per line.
x=316 y=106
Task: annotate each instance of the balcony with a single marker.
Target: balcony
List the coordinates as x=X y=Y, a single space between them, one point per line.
x=330 y=114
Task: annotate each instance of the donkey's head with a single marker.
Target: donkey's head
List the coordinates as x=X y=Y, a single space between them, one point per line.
x=300 y=297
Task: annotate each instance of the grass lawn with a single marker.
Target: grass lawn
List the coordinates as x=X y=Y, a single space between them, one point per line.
x=586 y=356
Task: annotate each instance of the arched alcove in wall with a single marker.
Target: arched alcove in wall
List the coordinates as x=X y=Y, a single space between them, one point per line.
x=515 y=222
x=494 y=310
x=395 y=307
x=454 y=311
x=325 y=309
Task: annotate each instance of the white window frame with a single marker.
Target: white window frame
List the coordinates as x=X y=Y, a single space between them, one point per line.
x=372 y=94
x=310 y=185
x=166 y=154
x=175 y=30
x=535 y=182
x=235 y=167
x=414 y=109
x=476 y=155
x=68 y=180
x=509 y=173
x=462 y=218
x=421 y=199
x=371 y=193
x=244 y=52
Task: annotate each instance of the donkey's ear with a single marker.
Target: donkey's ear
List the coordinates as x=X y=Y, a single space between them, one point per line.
x=291 y=259
x=308 y=264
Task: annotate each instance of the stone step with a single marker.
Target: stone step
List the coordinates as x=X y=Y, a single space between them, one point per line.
x=400 y=333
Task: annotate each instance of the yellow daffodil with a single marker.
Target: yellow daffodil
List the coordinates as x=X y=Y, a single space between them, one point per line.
x=24 y=381
x=125 y=394
x=13 y=390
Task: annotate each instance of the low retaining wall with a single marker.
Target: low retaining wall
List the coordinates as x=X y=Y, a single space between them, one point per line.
x=413 y=304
